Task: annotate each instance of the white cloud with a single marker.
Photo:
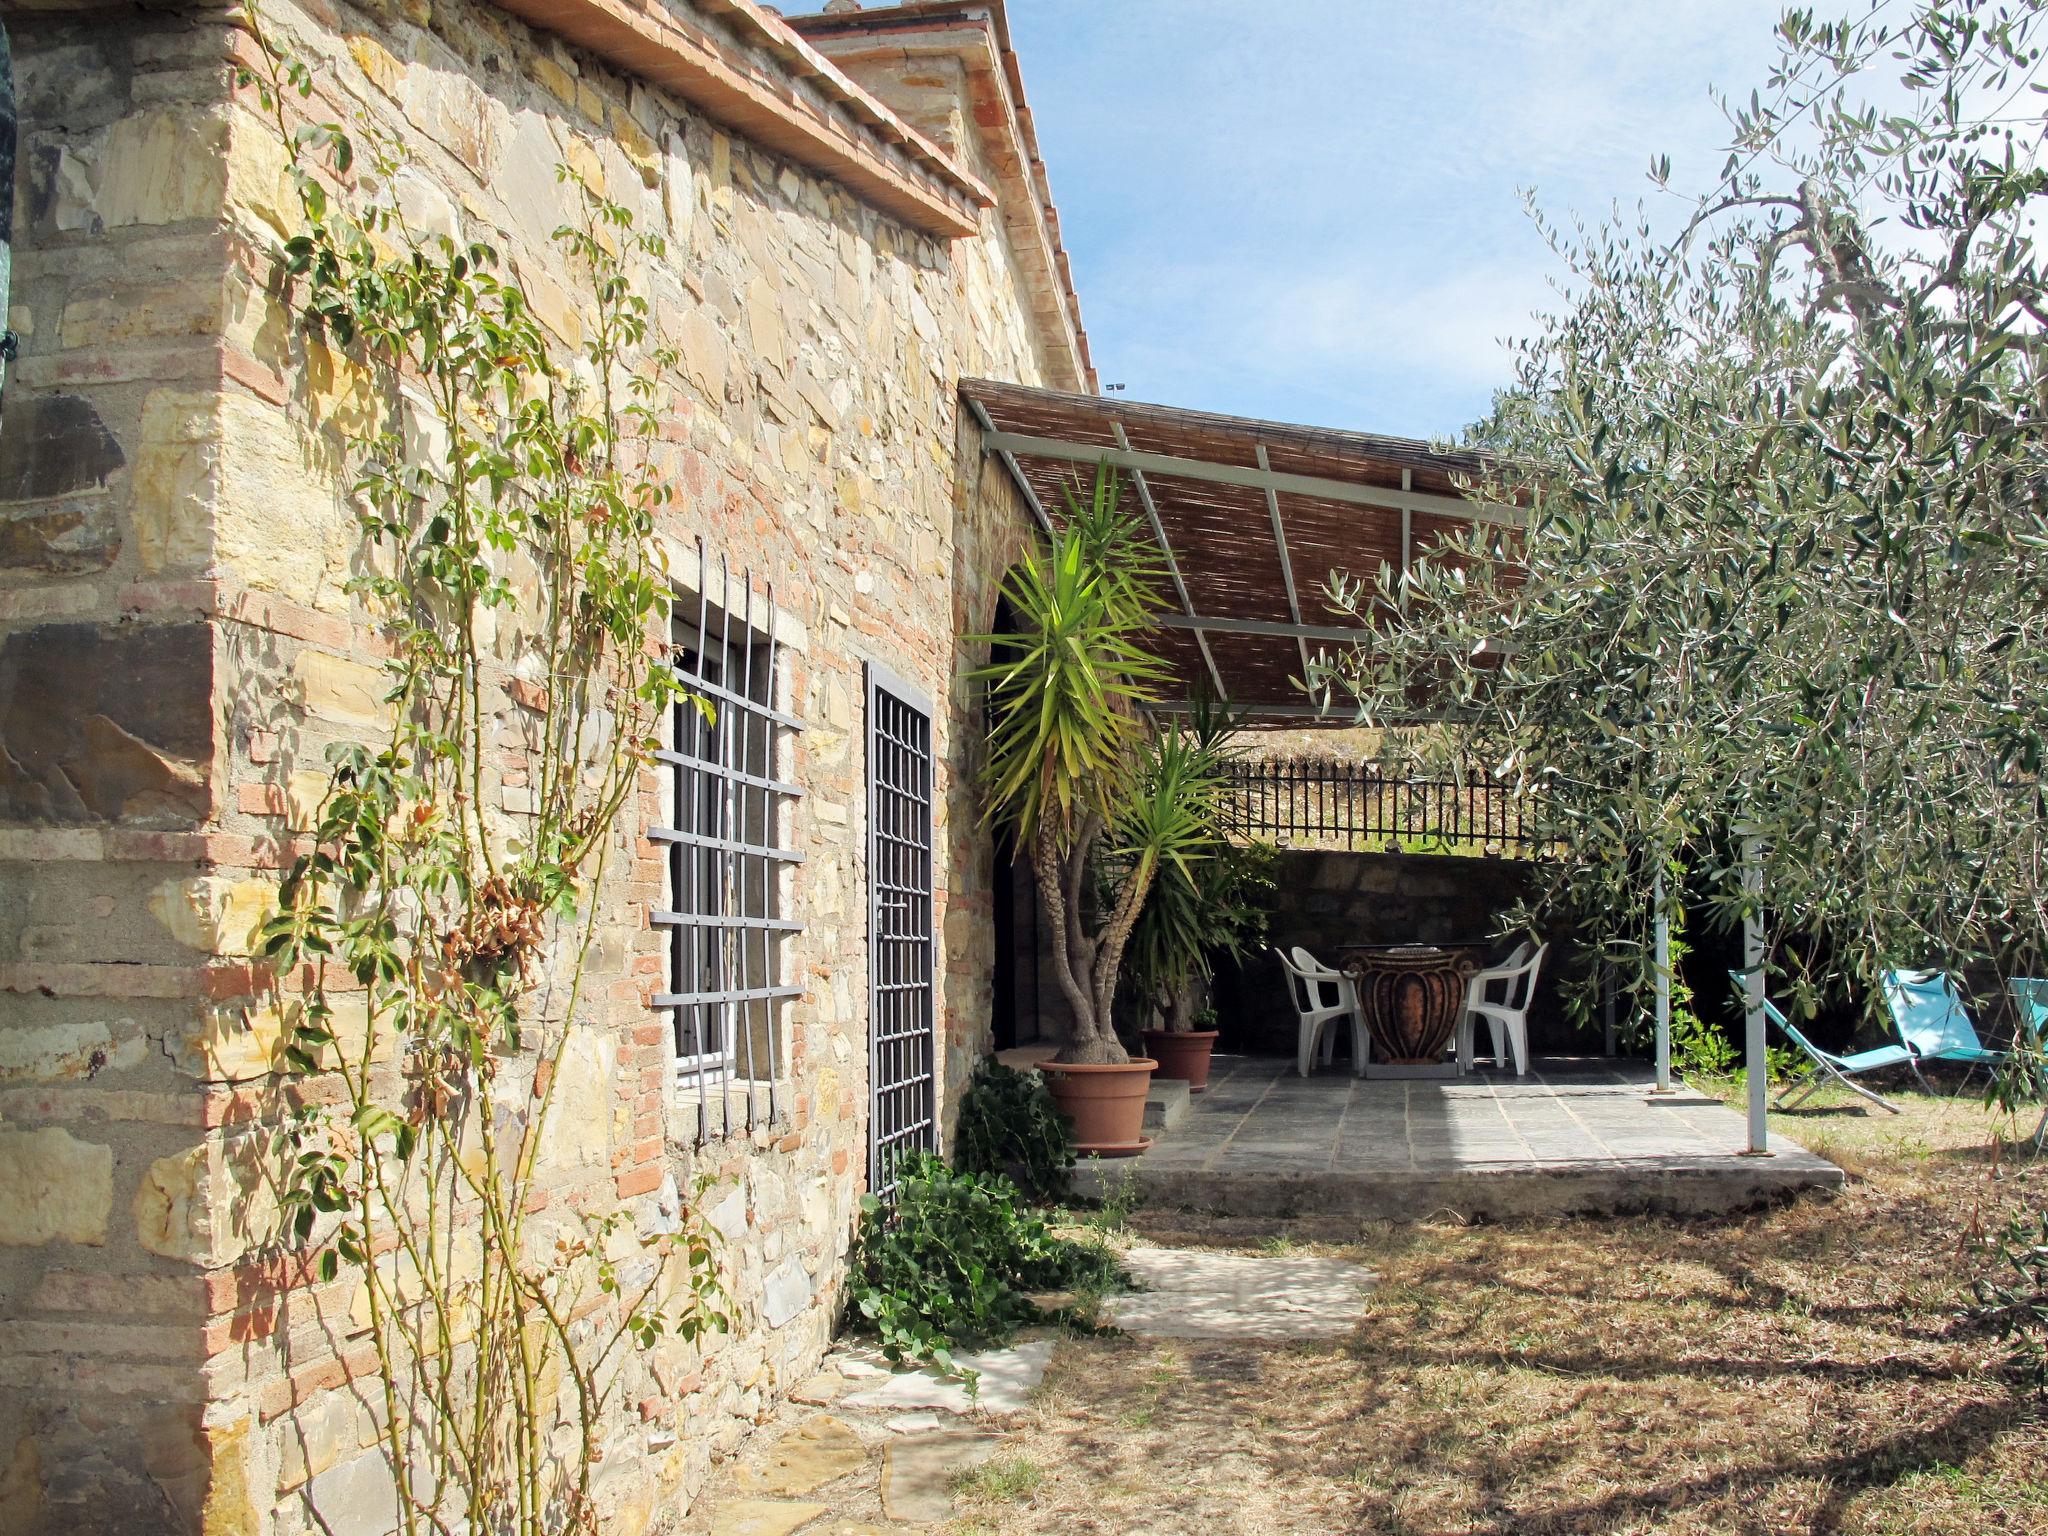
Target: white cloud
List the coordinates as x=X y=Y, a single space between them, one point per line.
x=1452 y=324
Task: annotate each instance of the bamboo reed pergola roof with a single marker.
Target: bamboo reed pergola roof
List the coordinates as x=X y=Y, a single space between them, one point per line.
x=1254 y=518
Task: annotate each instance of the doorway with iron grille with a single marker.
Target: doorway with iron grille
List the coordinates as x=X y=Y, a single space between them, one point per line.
x=902 y=1021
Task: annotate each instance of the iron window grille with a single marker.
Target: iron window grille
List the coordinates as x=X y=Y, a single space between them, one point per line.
x=729 y=859
x=902 y=956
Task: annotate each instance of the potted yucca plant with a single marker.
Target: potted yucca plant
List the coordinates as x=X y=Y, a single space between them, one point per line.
x=1213 y=903
x=1065 y=747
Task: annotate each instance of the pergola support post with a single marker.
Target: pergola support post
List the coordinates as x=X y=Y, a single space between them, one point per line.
x=1286 y=561
x=1407 y=540
x=1010 y=466
x=1753 y=997
x=1180 y=586
x=1660 y=924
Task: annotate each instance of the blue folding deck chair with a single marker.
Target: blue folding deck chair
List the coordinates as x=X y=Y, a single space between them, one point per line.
x=2030 y=1004
x=1931 y=1018
x=1843 y=1069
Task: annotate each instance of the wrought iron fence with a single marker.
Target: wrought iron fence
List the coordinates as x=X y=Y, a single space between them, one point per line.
x=1303 y=802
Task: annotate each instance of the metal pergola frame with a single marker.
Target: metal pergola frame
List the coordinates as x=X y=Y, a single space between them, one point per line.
x=1059 y=435
x=1052 y=437
x=1015 y=445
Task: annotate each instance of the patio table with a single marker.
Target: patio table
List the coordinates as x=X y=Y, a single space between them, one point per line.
x=1411 y=996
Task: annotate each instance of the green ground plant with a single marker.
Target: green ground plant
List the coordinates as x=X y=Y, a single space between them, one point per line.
x=951 y=1265
x=1003 y=1480
x=1010 y=1126
x=2012 y=1299
x=1117 y=1199
x=1700 y=1049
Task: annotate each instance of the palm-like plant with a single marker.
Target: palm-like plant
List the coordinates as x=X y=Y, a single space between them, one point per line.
x=1064 y=738
x=1163 y=857
x=1208 y=897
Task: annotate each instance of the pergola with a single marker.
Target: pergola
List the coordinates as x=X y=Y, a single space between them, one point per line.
x=1253 y=518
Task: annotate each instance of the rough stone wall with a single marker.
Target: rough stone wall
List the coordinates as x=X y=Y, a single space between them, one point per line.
x=120 y=877
x=177 y=650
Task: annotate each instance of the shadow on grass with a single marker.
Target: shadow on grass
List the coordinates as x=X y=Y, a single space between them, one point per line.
x=1843 y=1475
x=1785 y=1369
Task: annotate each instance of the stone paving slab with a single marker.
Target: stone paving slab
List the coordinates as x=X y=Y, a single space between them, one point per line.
x=820 y=1450
x=1576 y=1136
x=877 y=1471
x=1192 y=1294
x=919 y=1471
x=1005 y=1381
x=762 y=1517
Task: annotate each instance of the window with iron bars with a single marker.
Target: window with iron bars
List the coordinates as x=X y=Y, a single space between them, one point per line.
x=729 y=856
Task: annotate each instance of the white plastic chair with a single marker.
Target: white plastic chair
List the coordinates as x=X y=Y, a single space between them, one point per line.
x=1347 y=993
x=1321 y=996
x=1500 y=995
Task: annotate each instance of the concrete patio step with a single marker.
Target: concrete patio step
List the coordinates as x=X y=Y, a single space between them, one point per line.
x=1166 y=1103
x=1276 y=1187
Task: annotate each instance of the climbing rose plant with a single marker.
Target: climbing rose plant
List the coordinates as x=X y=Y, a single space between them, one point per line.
x=435 y=950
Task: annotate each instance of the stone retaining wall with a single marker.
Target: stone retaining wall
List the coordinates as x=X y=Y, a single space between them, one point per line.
x=1324 y=900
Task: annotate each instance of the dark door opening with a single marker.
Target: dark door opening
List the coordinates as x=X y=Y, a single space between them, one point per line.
x=1013 y=980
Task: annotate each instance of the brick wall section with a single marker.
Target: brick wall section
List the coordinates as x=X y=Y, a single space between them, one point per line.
x=177 y=650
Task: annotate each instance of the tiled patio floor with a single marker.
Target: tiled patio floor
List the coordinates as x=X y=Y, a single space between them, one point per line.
x=1575 y=1135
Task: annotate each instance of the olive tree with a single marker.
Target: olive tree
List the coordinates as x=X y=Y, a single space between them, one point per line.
x=1783 y=562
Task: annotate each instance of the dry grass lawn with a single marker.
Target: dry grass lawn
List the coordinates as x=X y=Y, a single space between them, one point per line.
x=1800 y=1369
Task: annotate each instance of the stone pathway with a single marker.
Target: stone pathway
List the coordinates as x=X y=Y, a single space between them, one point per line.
x=869 y=1450
x=1004 y=1382
x=864 y=1449
x=1189 y=1294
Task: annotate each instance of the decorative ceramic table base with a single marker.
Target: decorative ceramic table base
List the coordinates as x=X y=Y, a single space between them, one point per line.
x=1411 y=997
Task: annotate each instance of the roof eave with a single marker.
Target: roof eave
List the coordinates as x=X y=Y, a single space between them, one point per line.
x=800 y=105
x=960 y=28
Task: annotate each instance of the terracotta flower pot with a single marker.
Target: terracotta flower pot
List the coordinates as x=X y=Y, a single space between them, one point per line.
x=1183 y=1054
x=1106 y=1104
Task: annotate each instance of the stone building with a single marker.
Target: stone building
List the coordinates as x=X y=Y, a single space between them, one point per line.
x=856 y=219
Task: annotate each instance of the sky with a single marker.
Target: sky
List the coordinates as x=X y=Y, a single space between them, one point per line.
x=1310 y=210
